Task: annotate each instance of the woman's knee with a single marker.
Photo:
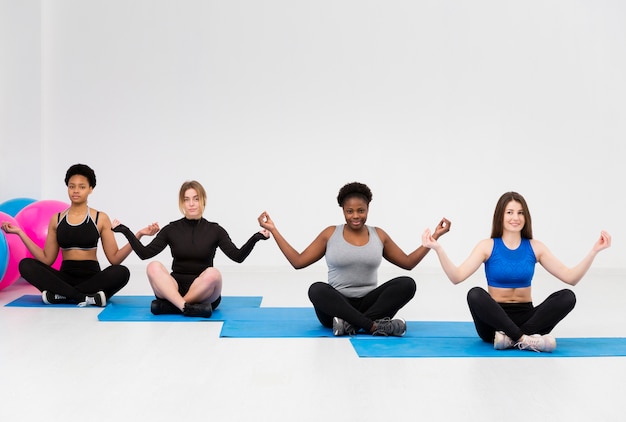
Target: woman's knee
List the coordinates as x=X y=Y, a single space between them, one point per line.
x=568 y=298
x=211 y=274
x=154 y=269
x=119 y=272
x=26 y=265
x=408 y=284
x=316 y=290
x=476 y=294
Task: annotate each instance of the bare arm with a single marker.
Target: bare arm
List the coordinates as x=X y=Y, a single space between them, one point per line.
x=109 y=244
x=49 y=252
x=313 y=253
x=395 y=255
x=479 y=254
x=566 y=274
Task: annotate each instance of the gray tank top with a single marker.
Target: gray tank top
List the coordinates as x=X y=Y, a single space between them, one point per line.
x=353 y=270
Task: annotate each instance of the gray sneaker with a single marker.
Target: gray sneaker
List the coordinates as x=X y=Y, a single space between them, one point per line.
x=342 y=328
x=390 y=327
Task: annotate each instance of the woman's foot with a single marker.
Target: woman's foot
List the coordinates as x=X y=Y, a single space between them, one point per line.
x=389 y=327
x=537 y=343
x=164 y=306
x=341 y=327
x=204 y=310
x=50 y=298
x=97 y=299
x=501 y=341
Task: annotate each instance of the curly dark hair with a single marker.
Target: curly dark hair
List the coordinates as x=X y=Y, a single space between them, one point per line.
x=354 y=189
x=81 y=170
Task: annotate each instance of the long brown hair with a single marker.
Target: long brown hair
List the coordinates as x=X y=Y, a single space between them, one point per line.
x=497 y=227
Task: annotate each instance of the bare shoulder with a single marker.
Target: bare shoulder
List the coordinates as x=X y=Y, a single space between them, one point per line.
x=381 y=234
x=538 y=247
x=102 y=217
x=484 y=247
x=327 y=232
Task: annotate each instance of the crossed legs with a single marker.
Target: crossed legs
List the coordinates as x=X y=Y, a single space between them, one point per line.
x=517 y=319
x=384 y=301
x=205 y=288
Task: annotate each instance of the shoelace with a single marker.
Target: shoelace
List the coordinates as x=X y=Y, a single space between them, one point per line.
x=349 y=329
x=346 y=328
x=532 y=343
x=383 y=327
x=88 y=301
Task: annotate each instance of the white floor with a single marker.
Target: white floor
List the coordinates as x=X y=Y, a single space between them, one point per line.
x=65 y=365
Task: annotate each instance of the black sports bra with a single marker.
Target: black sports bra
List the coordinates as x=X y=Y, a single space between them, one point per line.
x=83 y=236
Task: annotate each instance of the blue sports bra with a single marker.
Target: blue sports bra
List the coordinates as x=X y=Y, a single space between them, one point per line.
x=82 y=236
x=510 y=268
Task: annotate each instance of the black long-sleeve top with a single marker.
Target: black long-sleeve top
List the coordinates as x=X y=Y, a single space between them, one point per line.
x=193 y=244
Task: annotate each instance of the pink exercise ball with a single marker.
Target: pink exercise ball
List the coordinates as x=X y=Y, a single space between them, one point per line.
x=34 y=219
x=4 y=254
x=17 y=252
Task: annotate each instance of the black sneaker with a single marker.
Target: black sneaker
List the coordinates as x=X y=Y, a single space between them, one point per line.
x=163 y=306
x=204 y=310
x=98 y=299
x=390 y=327
x=50 y=298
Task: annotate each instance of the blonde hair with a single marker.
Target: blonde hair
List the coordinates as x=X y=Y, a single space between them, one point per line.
x=191 y=184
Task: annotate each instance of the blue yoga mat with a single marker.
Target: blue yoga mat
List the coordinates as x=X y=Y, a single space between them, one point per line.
x=463 y=347
x=137 y=309
x=302 y=322
x=274 y=323
x=420 y=329
x=274 y=329
x=35 y=301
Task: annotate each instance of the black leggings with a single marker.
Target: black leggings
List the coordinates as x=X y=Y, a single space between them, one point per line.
x=384 y=301
x=517 y=319
x=75 y=279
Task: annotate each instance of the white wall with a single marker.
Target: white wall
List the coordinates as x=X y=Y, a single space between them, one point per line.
x=20 y=99
x=439 y=106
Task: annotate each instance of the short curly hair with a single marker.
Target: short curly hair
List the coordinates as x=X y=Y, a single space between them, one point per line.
x=353 y=189
x=81 y=170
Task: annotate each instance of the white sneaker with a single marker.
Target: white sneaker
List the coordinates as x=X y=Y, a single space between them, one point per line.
x=537 y=343
x=501 y=341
